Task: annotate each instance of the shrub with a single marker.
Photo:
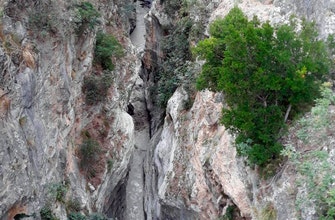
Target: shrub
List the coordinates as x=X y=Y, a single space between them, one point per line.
x=106 y=47
x=267 y=74
x=316 y=167
x=87 y=17
x=57 y=191
x=76 y=216
x=89 y=156
x=23 y=121
x=73 y=205
x=229 y=215
x=46 y=214
x=97 y=216
x=172 y=6
x=96 y=87
x=43 y=22
x=174 y=70
x=110 y=163
x=268 y=212
x=89 y=149
x=93 y=216
x=92 y=90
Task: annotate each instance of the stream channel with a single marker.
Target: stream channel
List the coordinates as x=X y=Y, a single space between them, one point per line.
x=135 y=189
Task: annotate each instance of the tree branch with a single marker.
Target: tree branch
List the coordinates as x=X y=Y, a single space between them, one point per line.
x=287 y=113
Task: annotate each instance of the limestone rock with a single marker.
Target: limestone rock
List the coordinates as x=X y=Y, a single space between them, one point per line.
x=196 y=160
x=279 y=12
x=43 y=113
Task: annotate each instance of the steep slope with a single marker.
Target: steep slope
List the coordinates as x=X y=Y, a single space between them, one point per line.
x=199 y=174
x=44 y=114
x=153 y=161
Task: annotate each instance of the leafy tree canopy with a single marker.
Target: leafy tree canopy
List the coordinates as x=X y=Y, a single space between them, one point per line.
x=267 y=74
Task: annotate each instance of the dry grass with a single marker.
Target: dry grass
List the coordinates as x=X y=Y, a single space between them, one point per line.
x=28 y=56
x=2 y=36
x=268 y=212
x=5 y=103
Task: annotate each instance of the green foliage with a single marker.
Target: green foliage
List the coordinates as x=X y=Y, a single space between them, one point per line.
x=57 y=191
x=106 y=47
x=93 y=216
x=175 y=67
x=172 y=6
x=128 y=9
x=229 y=213
x=73 y=205
x=76 y=216
x=268 y=212
x=315 y=166
x=174 y=70
x=316 y=176
x=267 y=74
x=321 y=118
x=23 y=121
x=331 y=45
x=46 y=214
x=96 y=87
x=97 y=216
x=89 y=155
x=110 y=163
x=86 y=17
x=44 y=20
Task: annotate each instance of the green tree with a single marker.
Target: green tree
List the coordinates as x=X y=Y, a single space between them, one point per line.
x=267 y=74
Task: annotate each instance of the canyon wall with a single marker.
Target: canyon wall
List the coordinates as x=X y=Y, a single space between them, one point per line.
x=44 y=114
x=200 y=175
x=171 y=162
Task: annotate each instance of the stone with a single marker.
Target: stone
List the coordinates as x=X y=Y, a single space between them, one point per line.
x=190 y=151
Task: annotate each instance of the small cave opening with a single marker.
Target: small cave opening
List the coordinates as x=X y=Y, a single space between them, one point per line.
x=130 y=109
x=145 y=3
x=21 y=216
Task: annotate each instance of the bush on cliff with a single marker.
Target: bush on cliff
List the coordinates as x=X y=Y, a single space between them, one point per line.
x=89 y=155
x=96 y=87
x=87 y=17
x=267 y=74
x=106 y=47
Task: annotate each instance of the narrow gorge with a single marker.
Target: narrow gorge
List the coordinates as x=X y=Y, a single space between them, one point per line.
x=100 y=117
x=137 y=107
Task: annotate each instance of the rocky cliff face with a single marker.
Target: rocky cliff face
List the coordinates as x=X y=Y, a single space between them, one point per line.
x=43 y=112
x=199 y=174
x=155 y=163
x=196 y=162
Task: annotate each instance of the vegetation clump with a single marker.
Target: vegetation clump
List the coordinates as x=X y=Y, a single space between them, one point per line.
x=175 y=70
x=96 y=87
x=46 y=214
x=72 y=205
x=76 y=216
x=87 y=17
x=44 y=19
x=106 y=47
x=89 y=155
x=316 y=167
x=267 y=74
x=93 y=216
x=57 y=191
x=175 y=67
